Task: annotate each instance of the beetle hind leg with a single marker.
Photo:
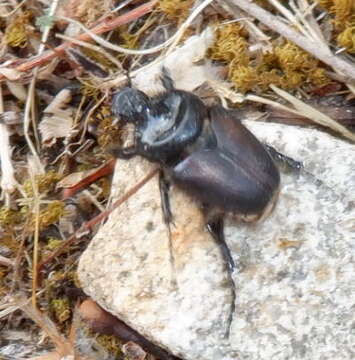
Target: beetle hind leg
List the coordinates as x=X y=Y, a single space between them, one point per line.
x=216 y=228
x=124 y=153
x=286 y=162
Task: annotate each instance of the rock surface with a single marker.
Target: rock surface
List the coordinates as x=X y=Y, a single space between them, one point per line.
x=295 y=288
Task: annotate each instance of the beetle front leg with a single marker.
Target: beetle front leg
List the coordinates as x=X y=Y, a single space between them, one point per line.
x=124 y=153
x=164 y=188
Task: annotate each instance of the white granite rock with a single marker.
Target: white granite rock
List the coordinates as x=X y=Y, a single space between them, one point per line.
x=295 y=283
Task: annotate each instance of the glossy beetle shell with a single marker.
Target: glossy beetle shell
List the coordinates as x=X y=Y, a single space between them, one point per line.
x=207 y=152
x=237 y=175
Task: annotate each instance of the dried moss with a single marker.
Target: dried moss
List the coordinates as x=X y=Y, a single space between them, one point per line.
x=176 y=10
x=3 y=271
x=10 y=242
x=45 y=183
x=287 y=66
x=51 y=214
x=245 y=77
x=53 y=243
x=347 y=38
x=9 y=217
x=97 y=57
x=111 y=344
x=90 y=90
x=108 y=134
x=3 y=281
x=88 y=11
x=230 y=45
x=16 y=33
x=60 y=309
x=342 y=10
x=129 y=40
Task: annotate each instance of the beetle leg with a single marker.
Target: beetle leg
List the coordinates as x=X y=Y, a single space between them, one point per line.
x=124 y=153
x=286 y=162
x=166 y=79
x=164 y=187
x=216 y=228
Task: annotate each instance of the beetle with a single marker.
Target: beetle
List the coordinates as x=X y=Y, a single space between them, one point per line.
x=205 y=151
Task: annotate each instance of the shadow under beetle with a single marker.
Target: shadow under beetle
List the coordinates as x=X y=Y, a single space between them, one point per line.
x=205 y=151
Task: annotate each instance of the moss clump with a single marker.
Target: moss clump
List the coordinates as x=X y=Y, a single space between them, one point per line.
x=45 y=183
x=97 y=57
x=343 y=12
x=9 y=217
x=176 y=10
x=347 y=38
x=111 y=344
x=90 y=90
x=287 y=66
x=53 y=243
x=230 y=45
x=129 y=40
x=60 y=309
x=51 y=214
x=108 y=134
x=16 y=34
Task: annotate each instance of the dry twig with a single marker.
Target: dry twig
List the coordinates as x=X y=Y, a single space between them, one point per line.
x=103 y=27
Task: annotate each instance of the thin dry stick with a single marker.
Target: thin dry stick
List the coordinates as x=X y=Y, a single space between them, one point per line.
x=91 y=223
x=14 y=10
x=6 y=262
x=173 y=40
x=315 y=48
x=30 y=99
x=178 y=35
x=103 y=27
x=63 y=346
x=36 y=205
x=92 y=47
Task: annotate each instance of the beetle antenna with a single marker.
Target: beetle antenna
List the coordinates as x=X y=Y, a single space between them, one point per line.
x=166 y=79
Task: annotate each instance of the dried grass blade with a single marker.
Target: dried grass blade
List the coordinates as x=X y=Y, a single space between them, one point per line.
x=314 y=114
x=63 y=346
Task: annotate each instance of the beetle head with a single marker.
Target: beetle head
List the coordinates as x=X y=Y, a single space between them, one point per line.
x=130 y=105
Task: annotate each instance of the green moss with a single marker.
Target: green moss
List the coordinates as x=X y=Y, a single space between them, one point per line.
x=60 y=309
x=287 y=66
x=45 y=183
x=51 y=213
x=176 y=10
x=53 y=243
x=111 y=344
x=343 y=12
x=347 y=38
x=230 y=45
x=16 y=33
x=9 y=217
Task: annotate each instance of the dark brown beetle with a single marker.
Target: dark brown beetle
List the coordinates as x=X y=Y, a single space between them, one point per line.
x=205 y=151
